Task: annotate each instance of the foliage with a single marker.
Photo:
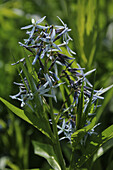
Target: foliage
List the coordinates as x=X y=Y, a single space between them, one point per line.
x=42 y=72
x=91 y=32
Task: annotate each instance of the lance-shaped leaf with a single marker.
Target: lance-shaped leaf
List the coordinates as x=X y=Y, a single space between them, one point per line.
x=46 y=151
x=79 y=134
x=30 y=118
x=103 y=149
x=87 y=107
x=80 y=106
x=93 y=146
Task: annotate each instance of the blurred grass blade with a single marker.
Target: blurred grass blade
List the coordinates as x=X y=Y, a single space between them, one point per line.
x=108 y=96
x=80 y=23
x=91 y=8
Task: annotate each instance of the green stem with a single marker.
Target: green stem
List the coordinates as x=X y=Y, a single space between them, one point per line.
x=56 y=144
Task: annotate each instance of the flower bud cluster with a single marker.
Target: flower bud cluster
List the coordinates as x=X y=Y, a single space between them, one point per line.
x=51 y=68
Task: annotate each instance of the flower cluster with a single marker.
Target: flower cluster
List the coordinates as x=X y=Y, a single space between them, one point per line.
x=47 y=67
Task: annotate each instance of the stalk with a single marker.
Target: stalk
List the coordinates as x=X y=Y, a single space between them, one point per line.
x=56 y=143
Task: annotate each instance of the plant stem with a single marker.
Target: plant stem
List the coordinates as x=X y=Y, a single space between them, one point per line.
x=56 y=144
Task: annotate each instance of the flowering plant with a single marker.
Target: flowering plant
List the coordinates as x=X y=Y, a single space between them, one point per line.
x=56 y=96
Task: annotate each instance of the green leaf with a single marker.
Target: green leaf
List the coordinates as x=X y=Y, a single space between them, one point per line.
x=28 y=64
x=29 y=78
x=17 y=111
x=79 y=134
x=46 y=151
x=93 y=48
x=68 y=93
x=88 y=108
x=80 y=107
x=63 y=92
x=12 y=165
x=104 y=148
x=108 y=96
x=30 y=68
x=94 y=145
x=39 y=123
x=33 y=87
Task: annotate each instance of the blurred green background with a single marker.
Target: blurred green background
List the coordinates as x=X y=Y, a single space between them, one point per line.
x=91 y=22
